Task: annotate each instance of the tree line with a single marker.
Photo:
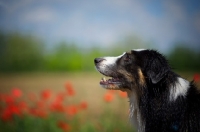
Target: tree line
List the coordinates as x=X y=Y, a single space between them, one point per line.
x=27 y=53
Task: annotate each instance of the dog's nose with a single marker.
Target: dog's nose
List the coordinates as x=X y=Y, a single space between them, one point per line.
x=97 y=60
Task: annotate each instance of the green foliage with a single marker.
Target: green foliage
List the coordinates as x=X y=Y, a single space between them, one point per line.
x=30 y=124
x=108 y=122
x=64 y=58
x=27 y=53
x=184 y=59
x=20 y=53
x=88 y=58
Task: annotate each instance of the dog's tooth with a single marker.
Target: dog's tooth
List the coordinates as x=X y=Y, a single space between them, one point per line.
x=104 y=79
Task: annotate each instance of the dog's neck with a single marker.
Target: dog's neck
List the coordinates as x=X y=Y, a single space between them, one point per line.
x=138 y=97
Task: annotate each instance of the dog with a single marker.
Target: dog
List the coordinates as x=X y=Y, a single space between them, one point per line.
x=160 y=100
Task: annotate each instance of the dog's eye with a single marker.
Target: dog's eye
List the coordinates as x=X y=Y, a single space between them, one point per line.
x=127 y=57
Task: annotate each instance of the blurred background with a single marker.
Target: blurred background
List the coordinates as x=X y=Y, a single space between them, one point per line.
x=67 y=35
x=44 y=43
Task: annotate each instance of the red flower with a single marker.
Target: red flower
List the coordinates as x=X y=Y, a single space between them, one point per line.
x=16 y=92
x=14 y=109
x=38 y=112
x=46 y=94
x=60 y=97
x=70 y=89
x=122 y=94
x=57 y=106
x=72 y=110
x=9 y=111
x=196 y=77
x=63 y=125
x=6 y=115
x=108 y=97
x=83 y=105
x=9 y=100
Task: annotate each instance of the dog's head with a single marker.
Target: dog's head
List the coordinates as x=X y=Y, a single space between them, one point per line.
x=133 y=68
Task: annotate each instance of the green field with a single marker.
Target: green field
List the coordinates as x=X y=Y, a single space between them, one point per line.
x=99 y=116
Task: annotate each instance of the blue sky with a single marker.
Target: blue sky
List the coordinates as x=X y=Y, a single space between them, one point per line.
x=105 y=22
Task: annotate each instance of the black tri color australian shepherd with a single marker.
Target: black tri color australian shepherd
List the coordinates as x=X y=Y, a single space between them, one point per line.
x=160 y=100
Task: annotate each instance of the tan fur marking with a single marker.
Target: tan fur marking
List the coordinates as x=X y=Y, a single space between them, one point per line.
x=141 y=77
x=127 y=75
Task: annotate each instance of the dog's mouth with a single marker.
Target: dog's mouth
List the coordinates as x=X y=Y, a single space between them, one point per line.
x=113 y=83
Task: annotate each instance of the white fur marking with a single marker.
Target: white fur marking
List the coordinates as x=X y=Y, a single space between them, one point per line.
x=139 y=49
x=135 y=116
x=180 y=89
x=111 y=60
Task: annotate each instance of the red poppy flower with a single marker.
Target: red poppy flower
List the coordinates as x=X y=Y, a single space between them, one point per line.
x=9 y=111
x=108 y=97
x=9 y=100
x=60 y=97
x=38 y=112
x=14 y=109
x=46 y=94
x=83 y=105
x=72 y=110
x=57 y=106
x=70 y=89
x=63 y=125
x=16 y=92
x=6 y=115
x=196 y=77
x=122 y=94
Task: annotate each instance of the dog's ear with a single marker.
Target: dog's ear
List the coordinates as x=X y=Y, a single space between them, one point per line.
x=157 y=69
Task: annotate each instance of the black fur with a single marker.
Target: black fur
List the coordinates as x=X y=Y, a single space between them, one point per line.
x=158 y=113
